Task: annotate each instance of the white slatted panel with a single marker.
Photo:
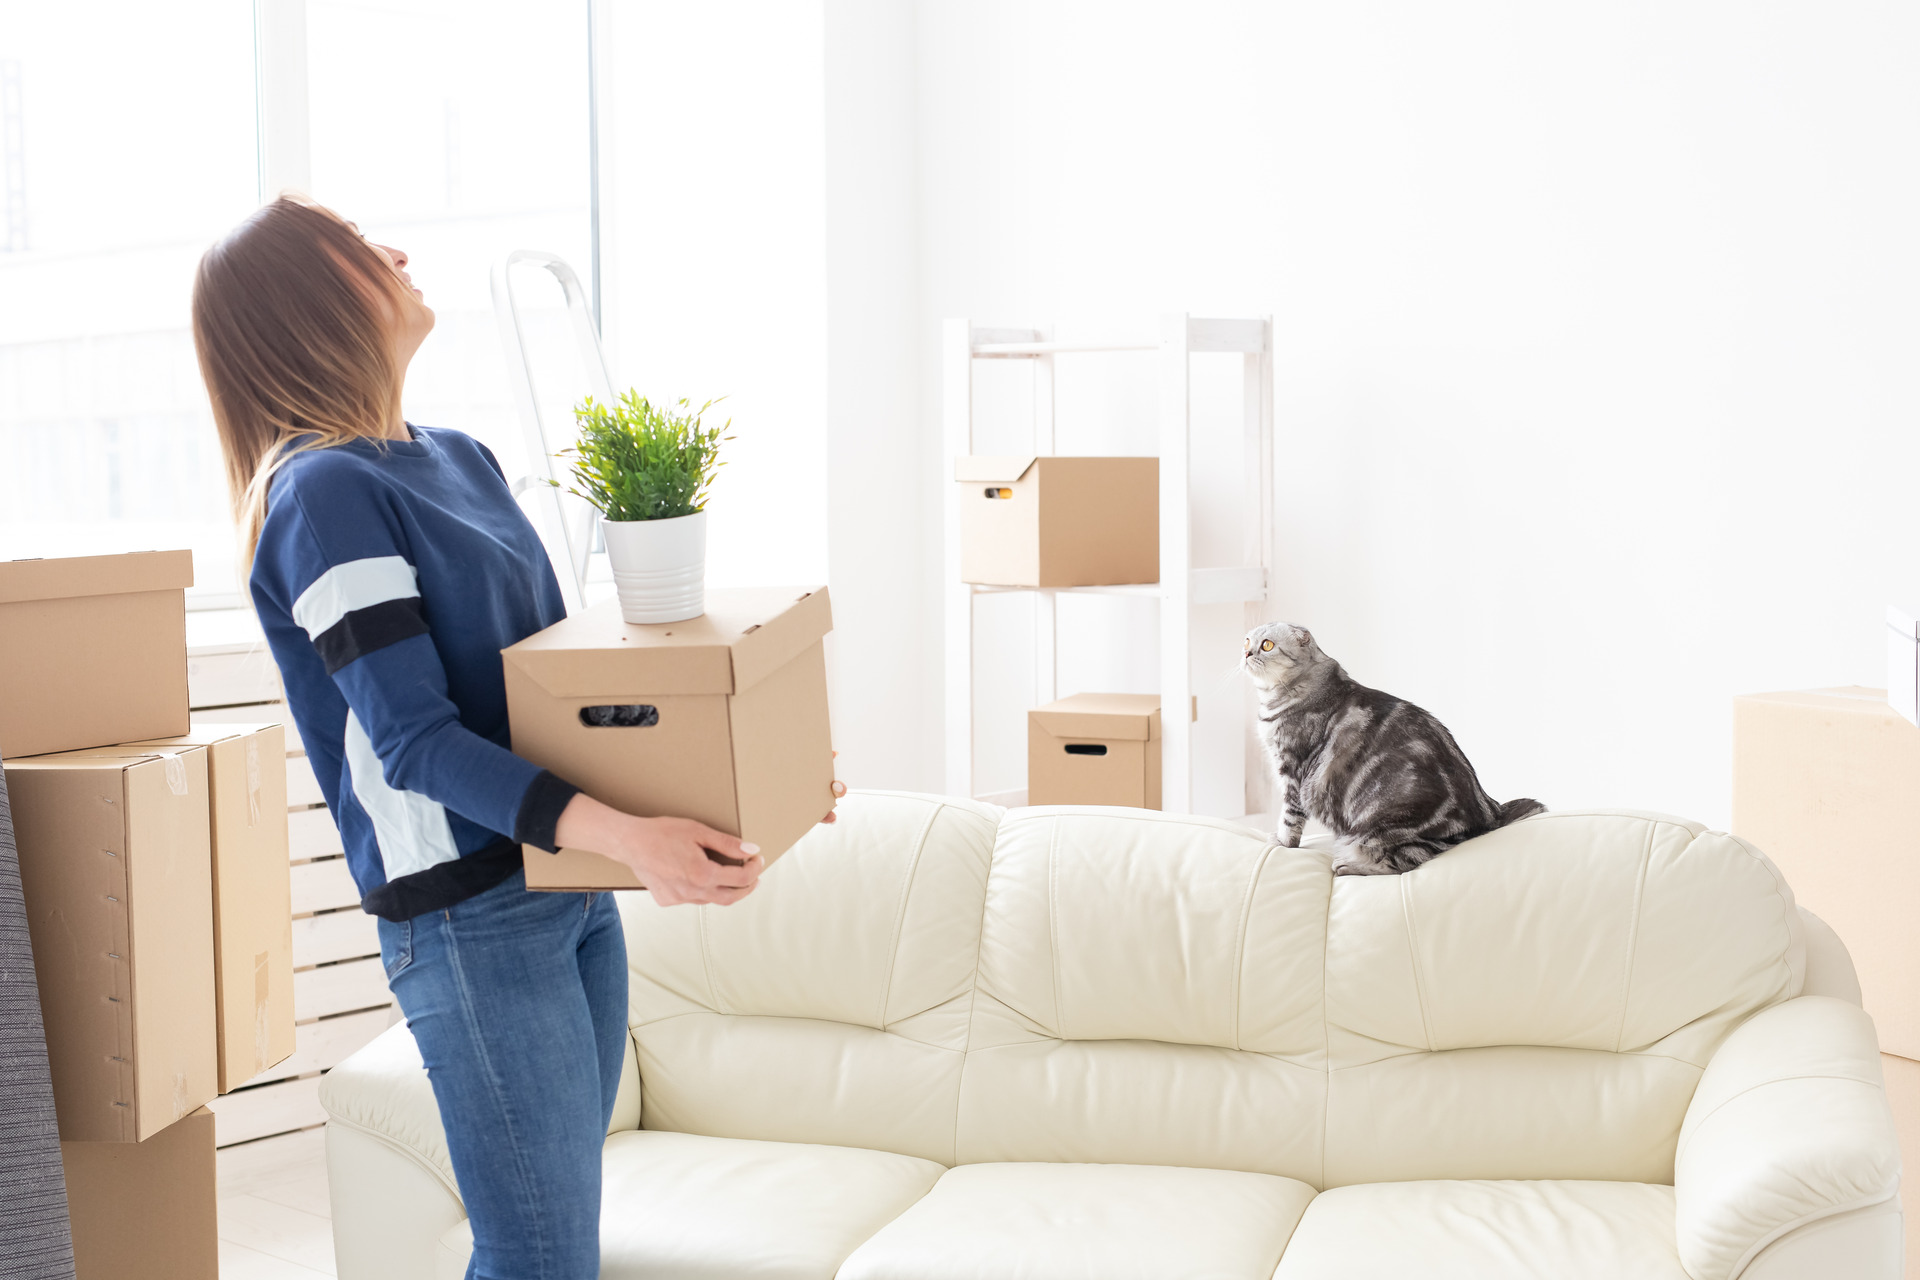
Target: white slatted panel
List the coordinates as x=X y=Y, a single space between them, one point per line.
x=341 y=935
x=319 y=1045
x=233 y=678
x=339 y=988
x=267 y=1110
x=257 y=713
x=323 y=886
x=303 y=788
x=311 y=834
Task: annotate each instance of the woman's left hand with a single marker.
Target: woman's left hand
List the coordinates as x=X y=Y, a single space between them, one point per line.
x=839 y=790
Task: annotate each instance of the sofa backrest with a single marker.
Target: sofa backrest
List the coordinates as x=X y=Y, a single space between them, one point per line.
x=946 y=980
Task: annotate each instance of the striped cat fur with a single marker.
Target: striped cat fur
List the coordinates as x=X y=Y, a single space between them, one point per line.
x=1384 y=775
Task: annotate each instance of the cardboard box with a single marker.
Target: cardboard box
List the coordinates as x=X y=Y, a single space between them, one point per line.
x=96 y=650
x=1903 y=1094
x=1827 y=783
x=145 y=1209
x=1903 y=664
x=1095 y=748
x=252 y=895
x=1058 y=522
x=116 y=872
x=722 y=718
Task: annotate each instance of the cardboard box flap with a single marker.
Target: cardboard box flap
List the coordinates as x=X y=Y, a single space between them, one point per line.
x=68 y=576
x=745 y=634
x=1131 y=717
x=1842 y=698
x=983 y=469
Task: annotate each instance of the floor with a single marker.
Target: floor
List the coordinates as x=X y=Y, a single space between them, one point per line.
x=275 y=1221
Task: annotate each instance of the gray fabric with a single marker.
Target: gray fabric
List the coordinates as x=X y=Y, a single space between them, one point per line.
x=34 y=1240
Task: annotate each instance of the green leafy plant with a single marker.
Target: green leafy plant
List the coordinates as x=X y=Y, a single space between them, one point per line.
x=636 y=461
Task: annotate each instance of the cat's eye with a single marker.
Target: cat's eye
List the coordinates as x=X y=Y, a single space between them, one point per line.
x=999 y=493
x=1266 y=646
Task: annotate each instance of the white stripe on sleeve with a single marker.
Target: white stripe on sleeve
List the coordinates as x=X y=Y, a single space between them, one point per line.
x=355 y=584
x=411 y=829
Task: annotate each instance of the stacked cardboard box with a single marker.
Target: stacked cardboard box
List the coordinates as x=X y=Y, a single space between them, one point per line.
x=1826 y=782
x=153 y=862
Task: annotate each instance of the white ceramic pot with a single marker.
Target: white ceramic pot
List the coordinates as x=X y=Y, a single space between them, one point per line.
x=659 y=567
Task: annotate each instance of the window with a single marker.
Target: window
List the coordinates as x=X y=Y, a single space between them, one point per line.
x=123 y=158
x=455 y=130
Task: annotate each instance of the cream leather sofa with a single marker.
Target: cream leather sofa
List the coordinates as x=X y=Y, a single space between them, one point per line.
x=947 y=1041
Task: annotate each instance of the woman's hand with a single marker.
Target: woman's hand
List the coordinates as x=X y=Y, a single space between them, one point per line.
x=839 y=790
x=678 y=859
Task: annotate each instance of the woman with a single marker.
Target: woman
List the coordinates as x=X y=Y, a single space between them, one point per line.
x=390 y=565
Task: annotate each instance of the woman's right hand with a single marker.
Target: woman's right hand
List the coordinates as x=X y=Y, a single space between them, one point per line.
x=674 y=857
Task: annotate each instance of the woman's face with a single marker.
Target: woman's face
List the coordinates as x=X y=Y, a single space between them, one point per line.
x=416 y=317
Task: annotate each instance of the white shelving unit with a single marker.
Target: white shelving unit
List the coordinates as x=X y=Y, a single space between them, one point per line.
x=1182 y=584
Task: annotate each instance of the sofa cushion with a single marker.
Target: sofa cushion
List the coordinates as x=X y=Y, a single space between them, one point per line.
x=683 y=1205
x=1149 y=993
x=1539 y=1002
x=1486 y=1231
x=1087 y=1222
x=831 y=1005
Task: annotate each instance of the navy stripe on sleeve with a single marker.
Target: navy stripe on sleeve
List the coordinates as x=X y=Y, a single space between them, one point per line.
x=363 y=631
x=540 y=810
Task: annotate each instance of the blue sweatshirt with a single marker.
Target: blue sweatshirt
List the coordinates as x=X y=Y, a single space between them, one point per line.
x=388 y=578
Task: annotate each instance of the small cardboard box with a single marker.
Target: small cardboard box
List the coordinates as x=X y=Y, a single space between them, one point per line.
x=252 y=895
x=1058 y=522
x=1903 y=667
x=722 y=718
x=96 y=650
x=116 y=872
x=145 y=1209
x=1095 y=748
x=1903 y=1095
x=1826 y=782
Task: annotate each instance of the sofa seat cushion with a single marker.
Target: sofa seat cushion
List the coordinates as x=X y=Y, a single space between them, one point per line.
x=683 y=1205
x=1088 y=1222
x=1486 y=1231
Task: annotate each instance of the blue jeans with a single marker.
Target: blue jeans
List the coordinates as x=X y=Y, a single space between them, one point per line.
x=519 y=1003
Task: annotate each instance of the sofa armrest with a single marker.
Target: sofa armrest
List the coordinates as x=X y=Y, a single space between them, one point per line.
x=1788 y=1126
x=382 y=1091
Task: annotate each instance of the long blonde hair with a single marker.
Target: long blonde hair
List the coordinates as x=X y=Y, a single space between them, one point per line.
x=291 y=315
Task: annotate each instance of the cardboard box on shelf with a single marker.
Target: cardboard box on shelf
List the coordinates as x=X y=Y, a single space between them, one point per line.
x=1903 y=664
x=1826 y=782
x=116 y=873
x=252 y=894
x=1058 y=522
x=145 y=1209
x=722 y=718
x=1903 y=1095
x=96 y=650
x=1095 y=748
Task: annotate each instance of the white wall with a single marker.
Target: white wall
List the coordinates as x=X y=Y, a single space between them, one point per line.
x=885 y=666
x=713 y=221
x=1594 y=328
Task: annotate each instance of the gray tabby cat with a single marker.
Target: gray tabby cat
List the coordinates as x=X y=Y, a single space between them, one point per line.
x=1383 y=774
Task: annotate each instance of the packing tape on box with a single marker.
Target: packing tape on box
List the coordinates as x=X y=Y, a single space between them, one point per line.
x=253 y=783
x=176 y=774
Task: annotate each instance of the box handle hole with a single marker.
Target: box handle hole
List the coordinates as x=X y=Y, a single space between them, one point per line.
x=1086 y=748
x=632 y=715
x=992 y=492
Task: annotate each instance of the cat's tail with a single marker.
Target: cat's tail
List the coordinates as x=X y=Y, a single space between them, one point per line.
x=1514 y=810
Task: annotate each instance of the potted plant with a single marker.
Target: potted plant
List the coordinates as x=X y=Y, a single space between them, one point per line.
x=647 y=469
